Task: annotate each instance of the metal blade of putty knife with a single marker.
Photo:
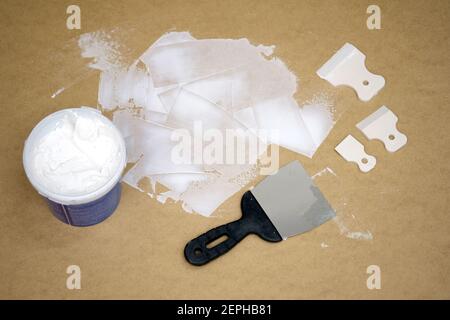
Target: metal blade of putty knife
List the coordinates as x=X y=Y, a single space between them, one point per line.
x=282 y=205
x=292 y=202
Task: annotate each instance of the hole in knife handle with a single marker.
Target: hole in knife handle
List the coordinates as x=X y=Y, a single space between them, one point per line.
x=216 y=241
x=198 y=252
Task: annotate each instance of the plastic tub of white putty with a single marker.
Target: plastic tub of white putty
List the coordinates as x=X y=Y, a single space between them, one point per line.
x=75 y=158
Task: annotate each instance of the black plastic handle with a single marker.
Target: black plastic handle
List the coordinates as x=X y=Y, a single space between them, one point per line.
x=254 y=220
x=197 y=251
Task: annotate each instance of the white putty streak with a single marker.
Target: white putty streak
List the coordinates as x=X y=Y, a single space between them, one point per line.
x=57 y=92
x=356 y=235
x=323 y=171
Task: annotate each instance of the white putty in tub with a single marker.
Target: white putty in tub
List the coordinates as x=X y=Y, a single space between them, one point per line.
x=79 y=155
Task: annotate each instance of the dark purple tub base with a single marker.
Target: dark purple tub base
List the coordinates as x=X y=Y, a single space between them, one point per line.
x=88 y=214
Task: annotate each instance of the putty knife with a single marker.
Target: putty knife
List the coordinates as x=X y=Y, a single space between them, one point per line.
x=280 y=206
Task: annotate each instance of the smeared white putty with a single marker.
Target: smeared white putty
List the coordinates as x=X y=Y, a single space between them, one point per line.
x=323 y=171
x=356 y=235
x=225 y=84
x=78 y=156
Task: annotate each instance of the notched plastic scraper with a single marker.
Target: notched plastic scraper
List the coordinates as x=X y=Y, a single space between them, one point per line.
x=347 y=67
x=382 y=125
x=352 y=150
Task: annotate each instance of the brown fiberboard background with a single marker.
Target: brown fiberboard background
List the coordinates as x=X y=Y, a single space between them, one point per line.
x=138 y=252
